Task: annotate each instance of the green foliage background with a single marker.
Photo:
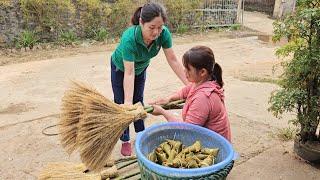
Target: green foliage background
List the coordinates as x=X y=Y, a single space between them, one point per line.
x=300 y=81
x=67 y=21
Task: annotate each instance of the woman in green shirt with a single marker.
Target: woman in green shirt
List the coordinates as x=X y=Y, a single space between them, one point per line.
x=139 y=43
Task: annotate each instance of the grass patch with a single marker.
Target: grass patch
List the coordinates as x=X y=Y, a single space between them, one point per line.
x=235 y=27
x=182 y=29
x=260 y=79
x=68 y=37
x=286 y=134
x=26 y=39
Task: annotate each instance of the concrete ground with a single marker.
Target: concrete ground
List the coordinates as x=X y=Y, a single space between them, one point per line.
x=31 y=93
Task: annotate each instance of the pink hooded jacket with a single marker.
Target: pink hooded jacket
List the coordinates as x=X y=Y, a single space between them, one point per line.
x=205 y=107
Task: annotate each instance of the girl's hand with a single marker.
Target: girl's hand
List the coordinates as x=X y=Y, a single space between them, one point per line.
x=160 y=101
x=157 y=110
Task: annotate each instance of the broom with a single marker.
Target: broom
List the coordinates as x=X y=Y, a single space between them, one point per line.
x=95 y=123
x=67 y=170
x=73 y=105
x=72 y=110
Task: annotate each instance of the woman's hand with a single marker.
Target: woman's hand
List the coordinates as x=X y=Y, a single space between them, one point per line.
x=157 y=110
x=175 y=65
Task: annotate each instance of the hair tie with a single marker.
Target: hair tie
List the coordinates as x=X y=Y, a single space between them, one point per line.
x=214 y=78
x=213 y=67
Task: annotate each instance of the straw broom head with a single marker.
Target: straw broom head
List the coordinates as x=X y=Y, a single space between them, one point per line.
x=67 y=170
x=100 y=128
x=72 y=110
x=93 y=123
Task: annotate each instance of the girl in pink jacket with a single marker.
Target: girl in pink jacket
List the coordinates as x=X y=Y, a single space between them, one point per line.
x=204 y=95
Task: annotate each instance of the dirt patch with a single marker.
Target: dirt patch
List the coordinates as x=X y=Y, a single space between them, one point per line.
x=268 y=71
x=53 y=51
x=16 y=108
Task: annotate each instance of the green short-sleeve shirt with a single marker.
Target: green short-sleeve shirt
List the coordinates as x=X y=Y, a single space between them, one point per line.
x=132 y=48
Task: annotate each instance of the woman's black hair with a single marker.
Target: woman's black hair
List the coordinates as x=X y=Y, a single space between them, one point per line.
x=202 y=57
x=148 y=12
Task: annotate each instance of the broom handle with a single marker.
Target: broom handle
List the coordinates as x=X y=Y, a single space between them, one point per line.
x=127 y=164
x=125 y=159
x=178 y=104
x=130 y=175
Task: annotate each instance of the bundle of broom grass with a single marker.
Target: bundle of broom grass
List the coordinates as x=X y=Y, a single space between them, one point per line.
x=68 y=170
x=93 y=124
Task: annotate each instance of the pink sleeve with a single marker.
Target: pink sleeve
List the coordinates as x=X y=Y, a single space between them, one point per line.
x=183 y=93
x=198 y=111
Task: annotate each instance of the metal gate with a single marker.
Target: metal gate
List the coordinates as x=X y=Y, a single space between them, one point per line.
x=220 y=13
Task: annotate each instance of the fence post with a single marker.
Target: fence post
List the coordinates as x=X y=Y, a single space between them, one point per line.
x=277 y=9
x=240 y=11
x=282 y=7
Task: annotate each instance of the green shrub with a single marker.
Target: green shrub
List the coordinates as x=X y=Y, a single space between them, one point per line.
x=68 y=37
x=101 y=34
x=93 y=16
x=119 y=18
x=287 y=134
x=235 y=27
x=300 y=81
x=26 y=39
x=50 y=17
x=181 y=12
x=181 y=29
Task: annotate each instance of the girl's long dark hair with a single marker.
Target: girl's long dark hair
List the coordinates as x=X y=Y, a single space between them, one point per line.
x=202 y=57
x=148 y=12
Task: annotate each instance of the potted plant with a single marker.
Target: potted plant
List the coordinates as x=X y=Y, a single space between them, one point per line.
x=300 y=81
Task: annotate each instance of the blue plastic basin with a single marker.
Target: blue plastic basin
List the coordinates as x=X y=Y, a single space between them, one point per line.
x=153 y=136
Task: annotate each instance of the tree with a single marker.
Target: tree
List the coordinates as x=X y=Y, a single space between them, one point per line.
x=300 y=82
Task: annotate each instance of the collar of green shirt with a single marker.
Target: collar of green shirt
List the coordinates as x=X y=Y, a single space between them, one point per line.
x=138 y=35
